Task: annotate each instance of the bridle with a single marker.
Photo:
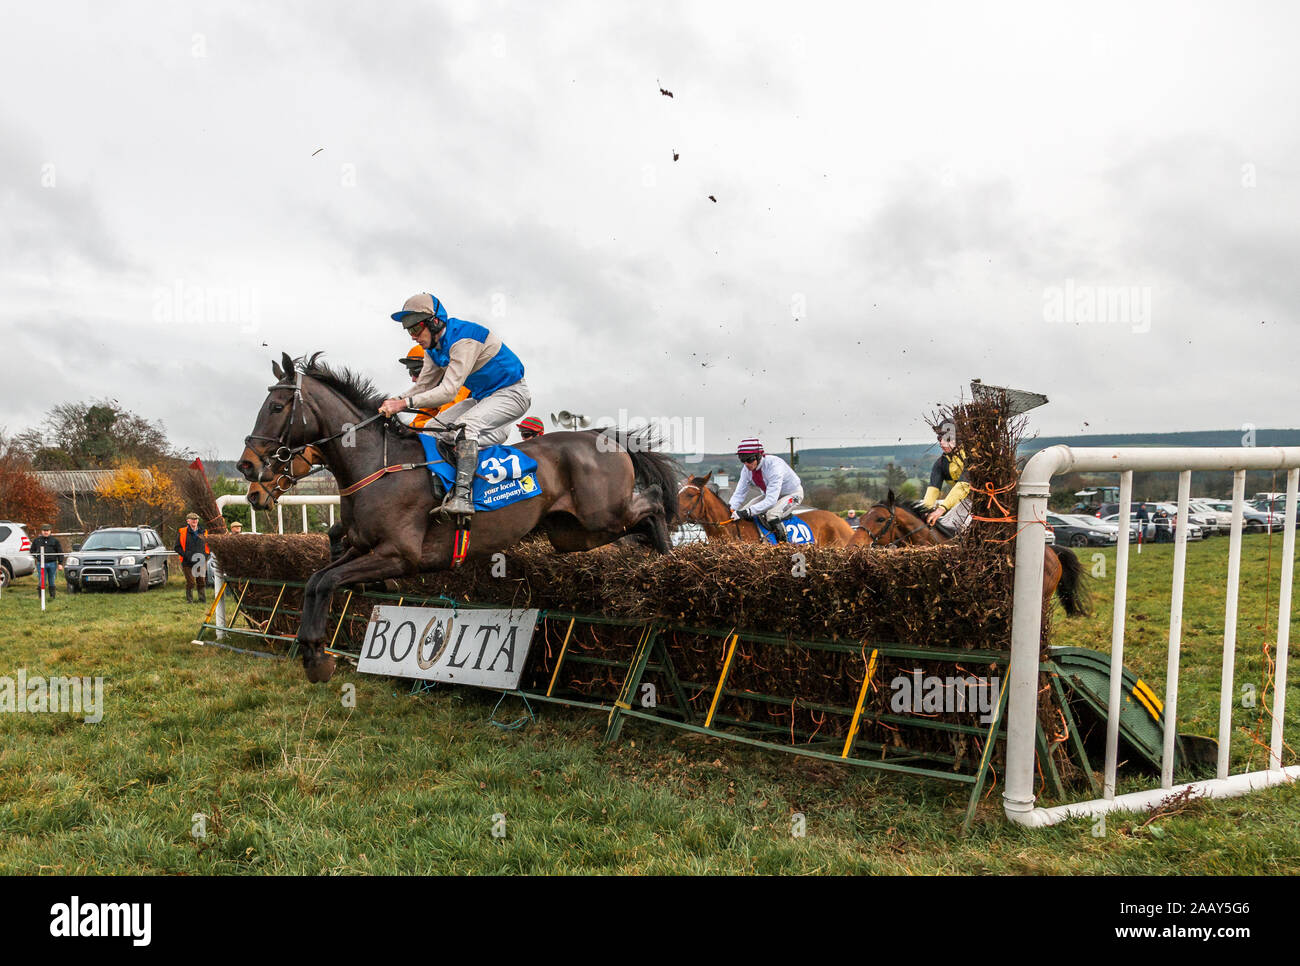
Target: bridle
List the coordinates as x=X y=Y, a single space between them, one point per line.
x=282 y=474
x=690 y=517
x=281 y=464
x=891 y=524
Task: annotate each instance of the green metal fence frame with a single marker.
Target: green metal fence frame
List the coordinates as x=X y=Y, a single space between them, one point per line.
x=651 y=654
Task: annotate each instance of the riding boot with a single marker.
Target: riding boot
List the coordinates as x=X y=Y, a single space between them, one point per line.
x=778 y=530
x=461 y=503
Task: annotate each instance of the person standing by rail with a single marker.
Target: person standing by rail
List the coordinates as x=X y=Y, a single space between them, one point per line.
x=192 y=547
x=53 y=556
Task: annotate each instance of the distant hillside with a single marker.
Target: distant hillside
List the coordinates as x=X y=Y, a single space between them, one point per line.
x=905 y=453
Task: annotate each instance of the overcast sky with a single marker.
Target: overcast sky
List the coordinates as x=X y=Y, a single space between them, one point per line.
x=908 y=196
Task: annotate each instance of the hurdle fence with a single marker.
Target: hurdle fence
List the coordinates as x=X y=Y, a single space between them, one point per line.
x=710 y=695
x=703 y=681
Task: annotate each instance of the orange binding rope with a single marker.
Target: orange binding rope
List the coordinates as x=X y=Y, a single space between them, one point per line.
x=992 y=492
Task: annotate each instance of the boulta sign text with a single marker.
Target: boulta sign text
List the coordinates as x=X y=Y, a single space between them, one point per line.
x=485 y=648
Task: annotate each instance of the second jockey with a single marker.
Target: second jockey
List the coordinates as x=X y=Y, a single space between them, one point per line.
x=952 y=514
x=768 y=488
x=460 y=353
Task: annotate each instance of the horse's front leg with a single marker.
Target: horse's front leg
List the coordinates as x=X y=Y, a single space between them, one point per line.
x=312 y=614
x=352 y=568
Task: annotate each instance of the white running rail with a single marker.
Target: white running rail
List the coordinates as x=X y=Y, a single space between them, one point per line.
x=1026 y=626
x=330 y=500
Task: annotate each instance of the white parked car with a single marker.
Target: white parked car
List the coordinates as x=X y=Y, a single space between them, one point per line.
x=1207 y=522
x=688 y=533
x=1194 y=532
x=16 y=558
x=1252 y=520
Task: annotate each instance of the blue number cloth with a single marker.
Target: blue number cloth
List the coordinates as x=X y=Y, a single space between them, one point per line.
x=505 y=475
x=796 y=531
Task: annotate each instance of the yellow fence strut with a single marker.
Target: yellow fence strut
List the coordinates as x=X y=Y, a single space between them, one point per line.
x=726 y=666
x=216 y=599
x=347 y=603
x=560 y=660
x=862 y=699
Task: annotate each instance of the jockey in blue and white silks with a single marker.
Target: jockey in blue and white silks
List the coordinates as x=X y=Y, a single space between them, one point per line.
x=459 y=353
x=767 y=484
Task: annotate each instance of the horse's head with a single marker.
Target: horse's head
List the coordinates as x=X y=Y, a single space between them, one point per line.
x=263 y=495
x=889 y=524
x=696 y=503
x=277 y=451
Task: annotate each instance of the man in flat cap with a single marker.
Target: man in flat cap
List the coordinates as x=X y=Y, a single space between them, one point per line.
x=191 y=545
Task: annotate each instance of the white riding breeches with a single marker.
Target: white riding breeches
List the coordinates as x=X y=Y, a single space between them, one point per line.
x=489 y=421
x=782 y=508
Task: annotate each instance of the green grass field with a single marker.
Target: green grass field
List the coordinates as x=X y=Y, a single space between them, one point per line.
x=293 y=782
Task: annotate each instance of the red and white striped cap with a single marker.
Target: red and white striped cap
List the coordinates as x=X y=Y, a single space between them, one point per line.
x=749 y=447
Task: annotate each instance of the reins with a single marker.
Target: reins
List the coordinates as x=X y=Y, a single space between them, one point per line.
x=286 y=454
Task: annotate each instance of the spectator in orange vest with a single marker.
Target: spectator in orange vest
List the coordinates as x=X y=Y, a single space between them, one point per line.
x=191 y=545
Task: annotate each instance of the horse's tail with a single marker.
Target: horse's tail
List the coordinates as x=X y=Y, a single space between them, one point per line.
x=656 y=473
x=1072 y=589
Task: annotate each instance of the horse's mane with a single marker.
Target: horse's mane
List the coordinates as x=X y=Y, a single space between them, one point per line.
x=352 y=386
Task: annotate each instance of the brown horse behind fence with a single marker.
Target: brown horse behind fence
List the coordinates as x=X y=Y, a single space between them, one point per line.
x=696 y=503
x=890 y=524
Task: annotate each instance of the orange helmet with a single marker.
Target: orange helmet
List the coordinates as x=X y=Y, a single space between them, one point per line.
x=414 y=359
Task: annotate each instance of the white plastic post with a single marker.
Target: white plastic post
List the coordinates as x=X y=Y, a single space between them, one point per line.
x=219 y=617
x=1117 y=638
x=1230 y=622
x=42 y=578
x=1175 y=632
x=1284 y=619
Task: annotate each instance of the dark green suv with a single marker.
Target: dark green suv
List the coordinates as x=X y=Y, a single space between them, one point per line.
x=133 y=558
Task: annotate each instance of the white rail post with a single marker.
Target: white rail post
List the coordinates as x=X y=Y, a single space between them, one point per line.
x=1175 y=632
x=1117 y=638
x=219 y=617
x=1026 y=637
x=279 y=517
x=1284 y=619
x=1230 y=623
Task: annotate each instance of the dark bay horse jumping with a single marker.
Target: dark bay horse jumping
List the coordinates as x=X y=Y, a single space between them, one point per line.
x=890 y=524
x=595 y=488
x=696 y=503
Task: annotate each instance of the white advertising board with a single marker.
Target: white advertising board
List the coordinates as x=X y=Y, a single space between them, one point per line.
x=485 y=648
